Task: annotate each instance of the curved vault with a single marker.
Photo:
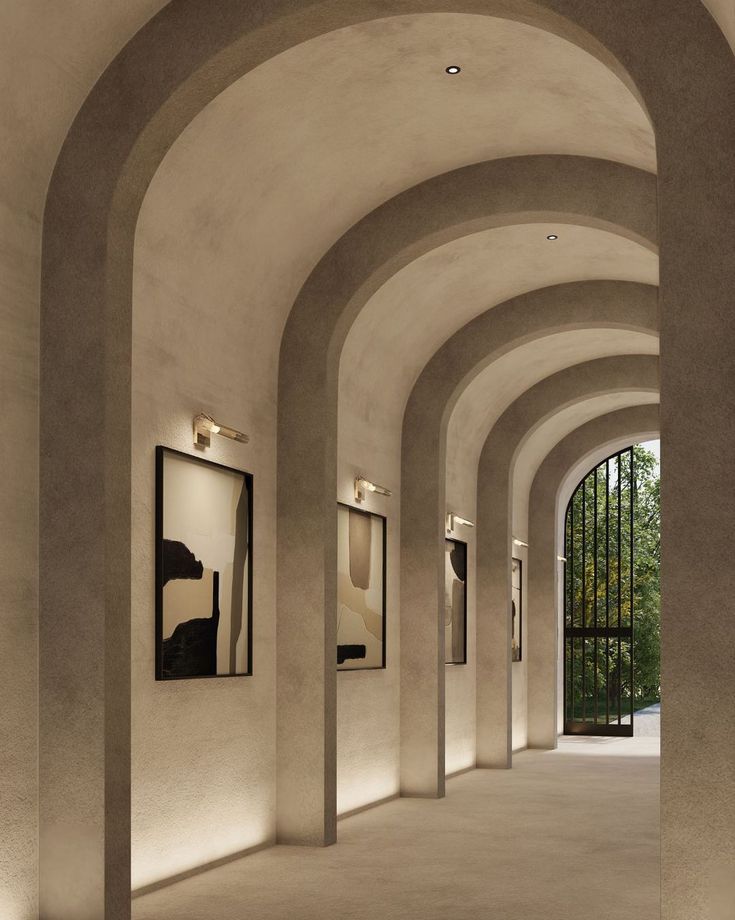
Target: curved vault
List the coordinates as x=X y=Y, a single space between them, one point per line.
x=376 y=116
x=492 y=391
x=408 y=319
x=539 y=444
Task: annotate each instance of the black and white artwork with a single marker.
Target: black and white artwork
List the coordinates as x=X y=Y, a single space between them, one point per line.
x=361 y=564
x=455 y=602
x=203 y=568
x=516 y=609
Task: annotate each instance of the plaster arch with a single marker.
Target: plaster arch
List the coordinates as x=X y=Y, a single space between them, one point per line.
x=526 y=339
x=93 y=294
x=422 y=305
x=552 y=486
x=490 y=338
x=338 y=288
x=540 y=443
x=635 y=373
x=492 y=390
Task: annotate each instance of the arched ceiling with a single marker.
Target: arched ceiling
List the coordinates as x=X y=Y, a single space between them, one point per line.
x=421 y=306
x=495 y=388
x=51 y=54
x=550 y=432
x=278 y=166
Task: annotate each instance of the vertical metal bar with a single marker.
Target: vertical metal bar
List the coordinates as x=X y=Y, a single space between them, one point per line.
x=584 y=597
x=594 y=589
x=632 y=525
x=566 y=607
x=570 y=557
x=607 y=590
x=618 y=667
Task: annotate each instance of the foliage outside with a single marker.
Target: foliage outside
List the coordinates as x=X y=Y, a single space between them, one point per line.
x=598 y=587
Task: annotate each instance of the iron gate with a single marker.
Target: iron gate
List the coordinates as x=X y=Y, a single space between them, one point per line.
x=598 y=601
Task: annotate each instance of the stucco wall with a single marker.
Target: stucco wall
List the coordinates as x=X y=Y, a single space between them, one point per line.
x=460 y=721
x=203 y=751
x=368 y=724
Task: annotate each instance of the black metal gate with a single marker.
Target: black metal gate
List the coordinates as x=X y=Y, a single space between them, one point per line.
x=598 y=601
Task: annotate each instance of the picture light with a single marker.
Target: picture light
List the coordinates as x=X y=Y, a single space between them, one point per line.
x=363 y=486
x=453 y=519
x=205 y=426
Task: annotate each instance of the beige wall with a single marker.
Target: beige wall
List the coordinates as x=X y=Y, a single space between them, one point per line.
x=41 y=92
x=203 y=751
x=368 y=739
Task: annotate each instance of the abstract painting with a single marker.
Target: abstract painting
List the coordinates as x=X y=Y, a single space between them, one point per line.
x=455 y=602
x=204 y=574
x=361 y=564
x=516 y=609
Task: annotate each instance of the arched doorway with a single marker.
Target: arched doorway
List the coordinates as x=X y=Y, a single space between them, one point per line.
x=612 y=553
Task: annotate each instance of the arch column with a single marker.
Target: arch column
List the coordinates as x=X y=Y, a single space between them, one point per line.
x=563 y=466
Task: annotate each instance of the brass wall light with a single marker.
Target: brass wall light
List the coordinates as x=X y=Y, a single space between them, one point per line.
x=205 y=426
x=454 y=519
x=363 y=486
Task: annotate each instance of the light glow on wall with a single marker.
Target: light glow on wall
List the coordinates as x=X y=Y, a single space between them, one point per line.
x=198 y=852
x=363 y=788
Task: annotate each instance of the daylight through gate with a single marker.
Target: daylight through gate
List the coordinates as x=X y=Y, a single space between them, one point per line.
x=598 y=600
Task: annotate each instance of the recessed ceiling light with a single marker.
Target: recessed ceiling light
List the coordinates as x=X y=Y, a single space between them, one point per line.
x=552 y=236
x=453 y=68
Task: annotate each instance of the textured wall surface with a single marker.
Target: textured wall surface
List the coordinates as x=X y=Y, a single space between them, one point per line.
x=368 y=730
x=42 y=89
x=203 y=751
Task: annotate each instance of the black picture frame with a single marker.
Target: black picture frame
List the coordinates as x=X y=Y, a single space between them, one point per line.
x=162 y=453
x=461 y=546
x=516 y=608
x=384 y=563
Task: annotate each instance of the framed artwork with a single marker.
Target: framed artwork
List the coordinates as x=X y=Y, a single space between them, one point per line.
x=204 y=568
x=361 y=595
x=516 y=609
x=455 y=602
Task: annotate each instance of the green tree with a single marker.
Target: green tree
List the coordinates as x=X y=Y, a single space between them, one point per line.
x=598 y=584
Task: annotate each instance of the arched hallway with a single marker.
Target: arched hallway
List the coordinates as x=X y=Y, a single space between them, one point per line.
x=567 y=834
x=312 y=313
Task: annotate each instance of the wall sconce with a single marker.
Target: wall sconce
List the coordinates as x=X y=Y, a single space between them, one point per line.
x=518 y=542
x=363 y=486
x=205 y=426
x=454 y=519
x=561 y=558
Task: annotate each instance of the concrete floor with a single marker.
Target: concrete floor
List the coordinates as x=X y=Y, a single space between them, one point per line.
x=565 y=835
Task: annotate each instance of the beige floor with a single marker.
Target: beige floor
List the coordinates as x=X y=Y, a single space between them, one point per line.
x=571 y=834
